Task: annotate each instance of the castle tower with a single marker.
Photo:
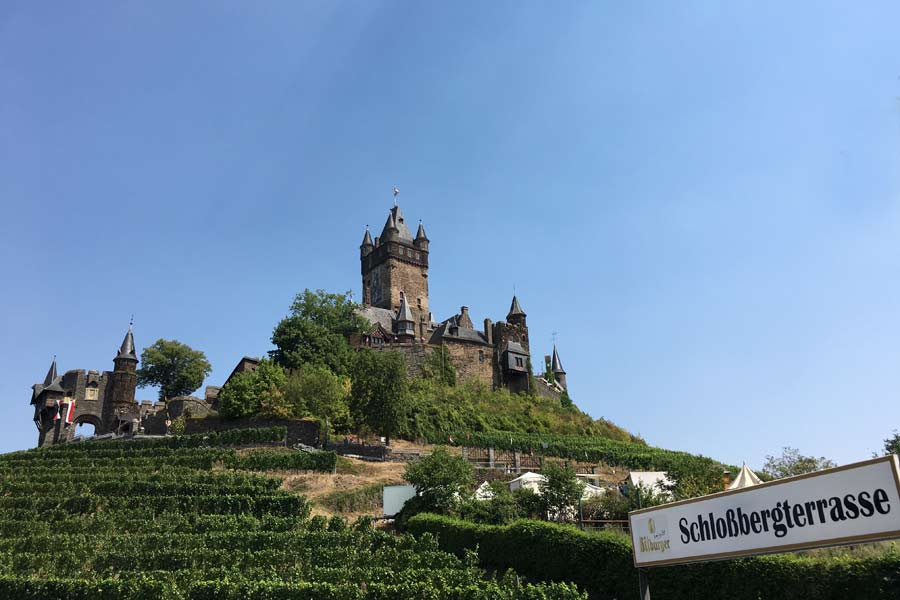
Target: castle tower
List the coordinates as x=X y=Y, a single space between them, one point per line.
x=396 y=264
x=46 y=399
x=119 y=402
x=557 y=369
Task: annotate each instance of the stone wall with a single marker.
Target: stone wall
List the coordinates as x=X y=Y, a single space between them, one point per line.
x=472 y=361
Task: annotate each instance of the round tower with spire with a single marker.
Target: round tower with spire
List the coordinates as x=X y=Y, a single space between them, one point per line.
x=119 y=402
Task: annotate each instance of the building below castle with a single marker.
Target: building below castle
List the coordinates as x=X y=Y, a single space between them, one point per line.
x=394 y=269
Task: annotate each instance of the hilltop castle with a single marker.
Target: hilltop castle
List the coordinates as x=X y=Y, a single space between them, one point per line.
x=394 y=269
x=395 y=301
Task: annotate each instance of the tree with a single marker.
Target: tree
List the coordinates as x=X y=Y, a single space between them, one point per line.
x=256 y=392
x=316 y=332
x=316 y=391
x=176 y=368
x=791 y=463
x=559 y=491
x=438 y=367
x=379 y=391
x=441 y=479
x=892 y=444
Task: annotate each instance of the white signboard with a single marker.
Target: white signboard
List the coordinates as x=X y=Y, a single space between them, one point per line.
x=850 y=504
x=394 y=497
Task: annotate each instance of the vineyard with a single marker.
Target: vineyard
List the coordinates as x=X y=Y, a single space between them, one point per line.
x=598 y=449
x=188 y=518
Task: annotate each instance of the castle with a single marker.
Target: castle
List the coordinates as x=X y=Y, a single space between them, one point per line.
x=395 y=301
x=104 y=400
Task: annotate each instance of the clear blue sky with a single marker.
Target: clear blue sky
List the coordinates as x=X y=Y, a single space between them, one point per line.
x=702 y=199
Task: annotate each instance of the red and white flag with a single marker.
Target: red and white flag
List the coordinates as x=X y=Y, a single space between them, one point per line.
x=56 y=416
x=70 y=412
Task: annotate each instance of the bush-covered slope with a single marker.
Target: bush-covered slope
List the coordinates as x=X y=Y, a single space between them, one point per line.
x=436 y=410
x=602 y=564
x=168 y=518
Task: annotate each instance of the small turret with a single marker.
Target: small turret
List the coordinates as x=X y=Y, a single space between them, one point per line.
x=390 y=231
x=126 y=353
x=118 y=403
x=516 y=315
x=557 y=369
x=406 y=325
x=421 y=241
x=367 y=246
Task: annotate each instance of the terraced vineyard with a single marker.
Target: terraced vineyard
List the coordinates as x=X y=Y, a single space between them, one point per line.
x=593 y=448
x=182 y=518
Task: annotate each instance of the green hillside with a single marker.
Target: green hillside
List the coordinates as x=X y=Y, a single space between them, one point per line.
x=175 y=518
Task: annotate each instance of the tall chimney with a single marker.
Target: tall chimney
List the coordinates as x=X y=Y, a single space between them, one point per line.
x=488 y=332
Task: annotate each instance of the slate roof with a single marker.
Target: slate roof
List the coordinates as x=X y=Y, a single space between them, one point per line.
x=515 y=308
x=420 y=234
x=515 y=347
x=51 y=374
x=404 y=314
x=462 y=333
x=127 y=348
x=367 y=239
x=555 y=365
x=378 y=316
x=396 y=220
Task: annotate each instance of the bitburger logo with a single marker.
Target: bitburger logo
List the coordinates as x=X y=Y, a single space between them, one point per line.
x=658 y=540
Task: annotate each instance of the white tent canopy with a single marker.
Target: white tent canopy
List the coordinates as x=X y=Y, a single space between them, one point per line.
x=746 y=478
x=656 y=481
x=527 y=480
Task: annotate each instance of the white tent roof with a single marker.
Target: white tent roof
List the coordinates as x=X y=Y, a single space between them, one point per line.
x=658 y=481
x=484 y=492
x=528 y=476
x=591 y=490
x=746 y=478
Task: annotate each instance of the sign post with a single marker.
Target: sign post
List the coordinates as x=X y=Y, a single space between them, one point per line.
x=851 y=504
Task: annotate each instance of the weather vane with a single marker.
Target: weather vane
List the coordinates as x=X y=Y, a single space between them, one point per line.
x=396 y=193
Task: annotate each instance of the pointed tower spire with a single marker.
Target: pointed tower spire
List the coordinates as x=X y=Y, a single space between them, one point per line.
x=51 y=374
x=367 y=246
x=421 y=241
x=515 y=308
x=405 y=324
x=555 y=365
x=126 y=351
x=558 y=372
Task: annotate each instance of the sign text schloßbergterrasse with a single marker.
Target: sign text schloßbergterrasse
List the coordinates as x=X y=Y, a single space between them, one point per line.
x=850 y=504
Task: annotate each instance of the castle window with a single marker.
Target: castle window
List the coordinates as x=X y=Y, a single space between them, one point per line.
x=481 y=356
x=418 y=256
x=419 y=303
x=519 y=362
x=90 y=393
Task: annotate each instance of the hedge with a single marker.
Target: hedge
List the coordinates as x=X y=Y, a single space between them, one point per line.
x=602 y=563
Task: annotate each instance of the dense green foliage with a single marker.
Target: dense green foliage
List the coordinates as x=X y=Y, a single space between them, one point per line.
x=378 y=398
x=176 y=368
x=437 y=411
x=439 y=367
x=602 y=563
x=441 y=479
x=694 y=474
x=892 y=444
x=316 y=330
x=314 y=391
x=559 y=490
x=257 y=392
x=159 y=519
x=792 y=463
